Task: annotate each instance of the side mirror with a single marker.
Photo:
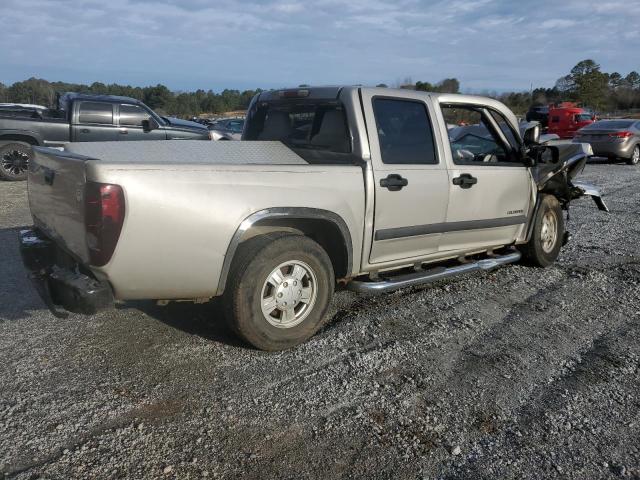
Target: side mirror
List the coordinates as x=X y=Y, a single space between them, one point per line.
x=150 y=124
x=545 y=154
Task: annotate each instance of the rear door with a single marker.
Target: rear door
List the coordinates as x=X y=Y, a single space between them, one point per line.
x=93 y=121
x=491 y=189
x=130 y=118
x=411 y=183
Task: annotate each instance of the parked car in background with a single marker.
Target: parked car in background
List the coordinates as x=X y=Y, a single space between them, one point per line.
x=227 y=129
x=83 y=118
x=614 y=139
x=566 y=118
x=362 y=187
x=539 y=113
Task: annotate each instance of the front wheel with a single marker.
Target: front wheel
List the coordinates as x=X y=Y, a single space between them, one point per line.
x=548 y=232
x=279 y=290
x=635 y=156
x=14 y=161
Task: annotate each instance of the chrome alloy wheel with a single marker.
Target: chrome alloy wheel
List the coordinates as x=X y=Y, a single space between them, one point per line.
x=14 y=162
x=288 y=294
x=549 y=231
x=635 y=157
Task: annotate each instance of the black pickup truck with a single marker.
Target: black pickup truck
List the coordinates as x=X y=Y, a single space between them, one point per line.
x=83 y=118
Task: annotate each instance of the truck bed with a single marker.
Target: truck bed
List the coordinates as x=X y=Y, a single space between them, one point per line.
x=184 y=200
x=188 y=152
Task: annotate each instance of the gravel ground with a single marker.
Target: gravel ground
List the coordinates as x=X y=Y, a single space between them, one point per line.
x=515 y=374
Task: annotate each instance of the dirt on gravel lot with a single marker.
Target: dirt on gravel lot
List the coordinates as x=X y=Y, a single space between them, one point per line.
x=520 y=373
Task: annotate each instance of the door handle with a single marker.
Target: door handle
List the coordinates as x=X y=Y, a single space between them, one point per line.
x=85 y=130
x=394 y=182
x=465 y=180
x=124 y=131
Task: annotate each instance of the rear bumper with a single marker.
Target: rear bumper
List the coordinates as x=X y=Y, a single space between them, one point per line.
x=59 y=280
x=610 y=149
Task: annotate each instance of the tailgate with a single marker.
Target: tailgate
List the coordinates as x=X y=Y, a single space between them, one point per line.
x=56 y=198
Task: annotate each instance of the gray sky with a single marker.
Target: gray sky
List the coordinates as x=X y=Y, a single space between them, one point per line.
x=189 y=44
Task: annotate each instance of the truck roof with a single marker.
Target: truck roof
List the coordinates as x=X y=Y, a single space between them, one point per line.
x=333 y=93
x=70 y=96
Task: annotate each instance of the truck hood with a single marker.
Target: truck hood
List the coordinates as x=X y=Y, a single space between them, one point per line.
x=184 y=124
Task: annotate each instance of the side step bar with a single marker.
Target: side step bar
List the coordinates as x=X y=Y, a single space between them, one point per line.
x=428 y=276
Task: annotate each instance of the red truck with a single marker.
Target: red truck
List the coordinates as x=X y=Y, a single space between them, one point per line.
x=566 y=118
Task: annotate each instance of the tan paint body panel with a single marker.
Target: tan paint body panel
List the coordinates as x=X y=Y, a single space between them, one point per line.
x=180 y=220
x=501 y=192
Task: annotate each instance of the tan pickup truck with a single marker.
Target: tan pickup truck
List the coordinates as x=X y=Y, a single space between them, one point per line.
x=362 y=188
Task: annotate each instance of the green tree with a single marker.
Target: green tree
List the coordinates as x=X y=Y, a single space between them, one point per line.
x=449 y=85
x=424 y=87
x=33 y=90
x=633 y=80
x=589 y=83
x=158 y=97
x=615 y=80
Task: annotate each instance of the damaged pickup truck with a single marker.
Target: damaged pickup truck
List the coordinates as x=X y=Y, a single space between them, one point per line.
x=363 y=188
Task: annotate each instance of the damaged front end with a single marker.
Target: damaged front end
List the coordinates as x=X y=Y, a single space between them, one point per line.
x=556 y=167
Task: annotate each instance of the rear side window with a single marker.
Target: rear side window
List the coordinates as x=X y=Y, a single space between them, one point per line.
x=316 y=130
x=96 y=112
x=132 y=115
x=404 y=132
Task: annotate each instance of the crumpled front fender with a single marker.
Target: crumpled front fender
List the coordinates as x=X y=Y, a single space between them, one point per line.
x=580 y=189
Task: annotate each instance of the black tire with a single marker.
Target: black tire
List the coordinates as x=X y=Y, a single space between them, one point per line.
x=635 y=156
x=544 y=246
x=14 y=161
x=247 y=286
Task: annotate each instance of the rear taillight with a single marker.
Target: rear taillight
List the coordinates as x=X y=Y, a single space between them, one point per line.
x=103 y=219
x=624 y=134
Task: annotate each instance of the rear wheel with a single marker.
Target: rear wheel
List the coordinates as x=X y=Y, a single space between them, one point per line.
x=279 y=290
x=548 y=232
x=14 y=161
x=635 y=156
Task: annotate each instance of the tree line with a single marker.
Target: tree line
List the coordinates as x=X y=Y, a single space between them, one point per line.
x=586 y=83
x=159 y=97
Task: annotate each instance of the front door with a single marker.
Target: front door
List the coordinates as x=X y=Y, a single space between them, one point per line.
x=492 y=189
x=130 y=118
x=411 y=183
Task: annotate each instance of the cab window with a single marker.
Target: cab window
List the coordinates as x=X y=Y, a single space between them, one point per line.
x=96 y=112
x=132 y=115
x=404 y=132
x=472 y=138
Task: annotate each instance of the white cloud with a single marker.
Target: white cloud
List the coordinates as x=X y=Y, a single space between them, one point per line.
x=553 y=23
x=201 y=43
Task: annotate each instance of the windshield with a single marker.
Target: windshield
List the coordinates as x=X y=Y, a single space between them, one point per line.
x=583 y=117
